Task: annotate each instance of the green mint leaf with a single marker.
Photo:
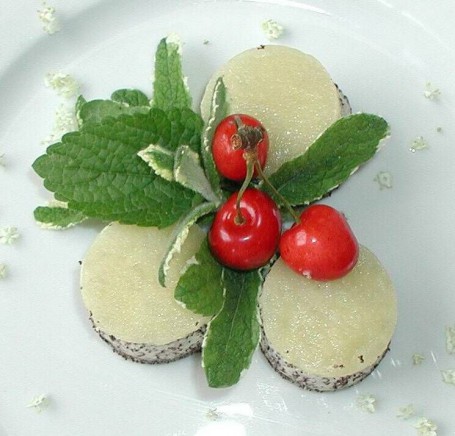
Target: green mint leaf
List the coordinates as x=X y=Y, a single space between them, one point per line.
x=56 y=217
x=331 y=159
x=233 y=334
x=189 y=173
x=95 y=111
x=169 y=87
x=200 y=288
x=160 y=159
x=97 y=170
x=130 y=97
x=218 y=111
x=179 y=236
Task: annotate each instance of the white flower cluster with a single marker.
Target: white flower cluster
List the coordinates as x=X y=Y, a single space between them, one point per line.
x=64 y=84
x=39 y=403
x=8 y=235
x=417 y=358
x=406 y=412
x=49 y=19
x=384 y=180
x=418 y=144
x=65 y=116
x=367 y=402
x=426 y=427
x=272 y=29
x=448 y=376
x=431 y=92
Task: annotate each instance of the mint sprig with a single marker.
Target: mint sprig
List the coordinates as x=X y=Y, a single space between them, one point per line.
x=233 y=334
x=330 y=160
x=97 y=170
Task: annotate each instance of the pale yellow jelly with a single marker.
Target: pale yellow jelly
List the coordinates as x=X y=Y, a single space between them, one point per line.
x=332 y=328
x=290 y=92
x=119 y=281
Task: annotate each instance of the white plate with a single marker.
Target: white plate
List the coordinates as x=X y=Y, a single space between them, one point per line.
x=381 y=53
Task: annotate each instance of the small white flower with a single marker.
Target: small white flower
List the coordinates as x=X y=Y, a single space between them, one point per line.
x=367 y=403
x=272 y=29
x=426 y=427
x=450 y=339
x=417 y=358
x=3 y=270
x=39 y=403
x=448 y=376
x=65 y=121
x=213 y=414
x=8 y=235
x=431 y=92
x=406 y=412
x=418 y=144
x=64 y=84
x=48 y=19
x=384 y=180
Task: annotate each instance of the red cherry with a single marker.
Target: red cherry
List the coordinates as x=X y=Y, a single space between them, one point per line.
x=251 y=243
x=229 y=154
x=321 y=246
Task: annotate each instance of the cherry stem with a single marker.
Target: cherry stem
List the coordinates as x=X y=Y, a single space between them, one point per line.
x=239 y=218
x=247 y=138
x=277 y=193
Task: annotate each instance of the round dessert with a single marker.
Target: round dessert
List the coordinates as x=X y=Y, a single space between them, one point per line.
x=129 y=309
x=288 y=91
x=325 y=336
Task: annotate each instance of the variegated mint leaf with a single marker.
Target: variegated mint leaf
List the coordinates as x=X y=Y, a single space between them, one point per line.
x=179 y=235
x=218 y=111
x=160 y=159
x=189 y=173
